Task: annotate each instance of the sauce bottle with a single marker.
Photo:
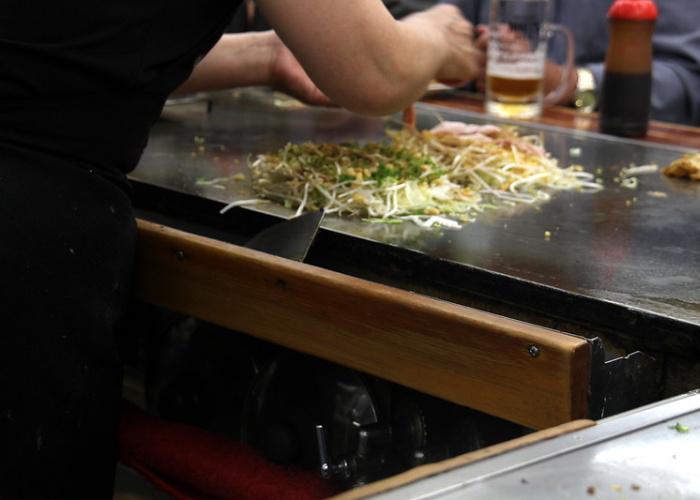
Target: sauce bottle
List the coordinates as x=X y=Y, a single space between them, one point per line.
x=626 y=90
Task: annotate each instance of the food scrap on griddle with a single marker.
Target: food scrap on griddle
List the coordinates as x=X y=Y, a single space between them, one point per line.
x=688 y=166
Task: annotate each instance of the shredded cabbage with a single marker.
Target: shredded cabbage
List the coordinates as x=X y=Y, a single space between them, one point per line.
x=439 y=177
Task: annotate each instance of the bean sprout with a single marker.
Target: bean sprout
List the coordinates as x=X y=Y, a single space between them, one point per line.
x=431 y=178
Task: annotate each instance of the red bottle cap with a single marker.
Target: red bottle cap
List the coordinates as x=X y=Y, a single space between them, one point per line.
x=633 y=10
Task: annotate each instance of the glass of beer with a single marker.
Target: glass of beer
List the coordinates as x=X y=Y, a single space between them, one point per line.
x=517 y=51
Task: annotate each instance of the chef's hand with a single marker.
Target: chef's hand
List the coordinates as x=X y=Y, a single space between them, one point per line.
x=287 y=75
x=453 y=37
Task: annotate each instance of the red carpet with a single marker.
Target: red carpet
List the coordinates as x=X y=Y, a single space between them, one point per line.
x=190 y=463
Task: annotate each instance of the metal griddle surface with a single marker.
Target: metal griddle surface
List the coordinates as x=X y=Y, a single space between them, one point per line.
x=629 y=248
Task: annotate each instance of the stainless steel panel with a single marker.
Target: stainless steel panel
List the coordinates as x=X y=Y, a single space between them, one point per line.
x=639 y=454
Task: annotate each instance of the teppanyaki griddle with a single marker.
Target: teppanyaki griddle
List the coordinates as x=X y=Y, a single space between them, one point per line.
x=624 y=261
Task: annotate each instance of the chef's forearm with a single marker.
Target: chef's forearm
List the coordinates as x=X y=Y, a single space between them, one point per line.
x=237 y=60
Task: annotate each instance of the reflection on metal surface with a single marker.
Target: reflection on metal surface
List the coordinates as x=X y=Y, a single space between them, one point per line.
x=620 y=245
x=639 y=454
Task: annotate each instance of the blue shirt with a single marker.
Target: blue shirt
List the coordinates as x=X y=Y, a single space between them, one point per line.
x=676 y=71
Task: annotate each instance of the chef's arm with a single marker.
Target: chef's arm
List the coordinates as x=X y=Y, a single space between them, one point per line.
x=235 y=61
x=366 y=61
x=355 y=52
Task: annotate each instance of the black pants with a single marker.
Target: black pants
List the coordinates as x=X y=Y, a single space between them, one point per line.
x=66 y=256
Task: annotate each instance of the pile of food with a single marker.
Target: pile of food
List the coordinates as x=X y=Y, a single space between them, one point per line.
x=687 y=166
x=439 y=177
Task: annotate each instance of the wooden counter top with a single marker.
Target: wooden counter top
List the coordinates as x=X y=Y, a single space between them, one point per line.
x=659 y=132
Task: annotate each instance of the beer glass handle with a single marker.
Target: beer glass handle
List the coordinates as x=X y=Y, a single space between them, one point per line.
x=555 y=95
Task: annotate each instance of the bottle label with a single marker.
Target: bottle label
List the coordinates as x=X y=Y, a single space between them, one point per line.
x=624 y=106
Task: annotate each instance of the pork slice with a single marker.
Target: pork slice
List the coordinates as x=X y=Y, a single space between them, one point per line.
x=465 y=129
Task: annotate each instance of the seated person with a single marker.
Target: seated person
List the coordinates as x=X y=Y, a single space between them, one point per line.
x=676 y=71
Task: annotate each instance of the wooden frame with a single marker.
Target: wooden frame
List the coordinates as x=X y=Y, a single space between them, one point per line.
x=534 y=376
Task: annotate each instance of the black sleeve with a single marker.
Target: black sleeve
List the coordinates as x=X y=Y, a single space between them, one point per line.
x=402 y=8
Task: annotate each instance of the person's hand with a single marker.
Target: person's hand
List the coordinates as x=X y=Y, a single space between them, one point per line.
x=513 y=41
x=481 y=44
x=552 y=78
x=287 y=75
x=552 y=71
x=453 y=37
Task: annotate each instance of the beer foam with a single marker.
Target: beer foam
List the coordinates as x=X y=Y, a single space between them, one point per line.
x=515 y=71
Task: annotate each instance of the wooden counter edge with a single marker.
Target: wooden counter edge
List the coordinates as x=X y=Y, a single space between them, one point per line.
x=210 y=279
x=429 y=470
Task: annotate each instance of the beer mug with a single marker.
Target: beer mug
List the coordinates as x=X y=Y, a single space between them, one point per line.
x=517 y=51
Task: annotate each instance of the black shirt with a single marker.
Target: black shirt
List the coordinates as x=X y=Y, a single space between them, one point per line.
x=85 y=80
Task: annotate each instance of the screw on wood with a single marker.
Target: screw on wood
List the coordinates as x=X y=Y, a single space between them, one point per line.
x=533 y=351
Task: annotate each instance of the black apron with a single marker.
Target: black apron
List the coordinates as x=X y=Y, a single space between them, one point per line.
x=81 y=83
